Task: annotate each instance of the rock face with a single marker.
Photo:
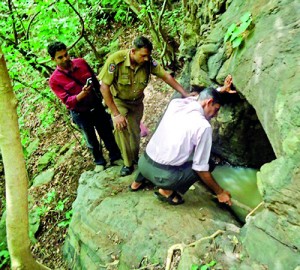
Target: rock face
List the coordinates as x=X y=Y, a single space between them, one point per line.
x=265 y=69
x=113 y=227
x=238 y=136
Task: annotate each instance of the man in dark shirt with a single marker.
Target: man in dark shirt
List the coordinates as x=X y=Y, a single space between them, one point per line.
x=70 y=84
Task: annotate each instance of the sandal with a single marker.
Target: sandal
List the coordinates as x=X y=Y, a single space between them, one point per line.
x=142 y=185
x=170 y=198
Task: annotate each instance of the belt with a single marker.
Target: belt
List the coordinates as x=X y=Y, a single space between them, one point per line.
x=134 y=101
x=166 y=167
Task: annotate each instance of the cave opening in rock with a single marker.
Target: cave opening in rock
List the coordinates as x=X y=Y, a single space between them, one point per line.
x=239 y=137
x=240 y=148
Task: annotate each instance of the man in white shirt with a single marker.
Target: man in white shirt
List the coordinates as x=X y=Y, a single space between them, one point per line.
x=178 y=153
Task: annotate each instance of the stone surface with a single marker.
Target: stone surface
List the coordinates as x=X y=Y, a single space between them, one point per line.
x=43 y=178
x=266 y=74
x=110 y=223
x=115 y=229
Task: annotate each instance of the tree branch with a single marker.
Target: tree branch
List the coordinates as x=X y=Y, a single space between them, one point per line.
x=160 y=31
x=33 y=88
x=43 y=69
x=14 y=23
x=81 y=22
x=33 y=18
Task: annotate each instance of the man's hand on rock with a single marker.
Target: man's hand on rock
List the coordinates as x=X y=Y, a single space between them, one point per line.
x=224 y=197
x=227 y=86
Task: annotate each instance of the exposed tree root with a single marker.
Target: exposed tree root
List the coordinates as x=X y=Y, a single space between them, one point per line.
x=182 y=246
x=253 y=210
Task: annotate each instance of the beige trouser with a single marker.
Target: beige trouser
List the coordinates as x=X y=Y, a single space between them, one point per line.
x=128 y=140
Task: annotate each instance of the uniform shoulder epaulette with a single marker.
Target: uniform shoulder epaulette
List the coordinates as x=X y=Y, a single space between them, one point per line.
x=118 y=56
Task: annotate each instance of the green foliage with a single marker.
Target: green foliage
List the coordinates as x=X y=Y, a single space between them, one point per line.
x=120 y=9
x=50 y=197
x=203 y=266
x=67 y=221
x=31 y=148
x=4 y=255
x=49 y=203
x=174 y=19
x=61 y=205
x=42 y=210
x=235 y=32
x=47 y=159
x=47 y=116
x=103 y=13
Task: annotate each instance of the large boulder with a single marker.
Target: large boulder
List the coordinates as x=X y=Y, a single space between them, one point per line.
x=112 y=226
x=265 y=69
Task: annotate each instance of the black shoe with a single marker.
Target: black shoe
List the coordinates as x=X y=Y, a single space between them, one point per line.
x=135 y=161
x=117 y=162
x=126 y=170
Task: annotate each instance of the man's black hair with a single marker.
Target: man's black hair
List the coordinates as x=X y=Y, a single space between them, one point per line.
x=196 y=88
x=142 y=42
x=56 y=46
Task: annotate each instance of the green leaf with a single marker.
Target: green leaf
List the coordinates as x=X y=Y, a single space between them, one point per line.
x=64 y=223
x=4 y=253
x=246 y=17
x=194 y=267
x=41 y=211
x=237 y=42
x=61 y=204
x=243 y=27
x=50 y=197
x=231 y=28
x=212 y=263
x=4 y=256
x=69 y=214
x=229 y=32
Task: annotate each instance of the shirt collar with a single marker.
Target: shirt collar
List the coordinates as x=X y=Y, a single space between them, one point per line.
x=194 y=104
x=74 y=67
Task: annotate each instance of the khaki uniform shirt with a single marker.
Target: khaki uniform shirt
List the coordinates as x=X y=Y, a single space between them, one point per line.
x=127 y=83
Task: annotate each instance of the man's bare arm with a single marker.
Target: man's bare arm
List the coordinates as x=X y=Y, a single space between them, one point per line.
x=119 y=120
x=222 y=195
x=175 y=85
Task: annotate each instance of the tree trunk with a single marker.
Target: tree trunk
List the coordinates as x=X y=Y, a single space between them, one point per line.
x=158 y=34
x=16 y=179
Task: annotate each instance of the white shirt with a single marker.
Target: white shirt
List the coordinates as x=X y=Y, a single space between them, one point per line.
x=182 y=132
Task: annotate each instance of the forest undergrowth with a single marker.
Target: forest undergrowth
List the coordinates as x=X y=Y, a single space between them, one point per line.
x=53 y=201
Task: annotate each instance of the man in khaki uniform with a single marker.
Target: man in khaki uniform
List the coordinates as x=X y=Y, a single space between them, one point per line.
x=124 y=77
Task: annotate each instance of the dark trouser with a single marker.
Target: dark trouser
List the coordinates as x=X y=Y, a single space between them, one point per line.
x=178 y=178
x=100 y=120
x=128 y=139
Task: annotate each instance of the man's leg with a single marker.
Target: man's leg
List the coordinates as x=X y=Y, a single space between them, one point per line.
x=134 y=117
x=82 y=120
x=102 y=122
x=139 y=181
x=167 y=178
x=123 y=137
